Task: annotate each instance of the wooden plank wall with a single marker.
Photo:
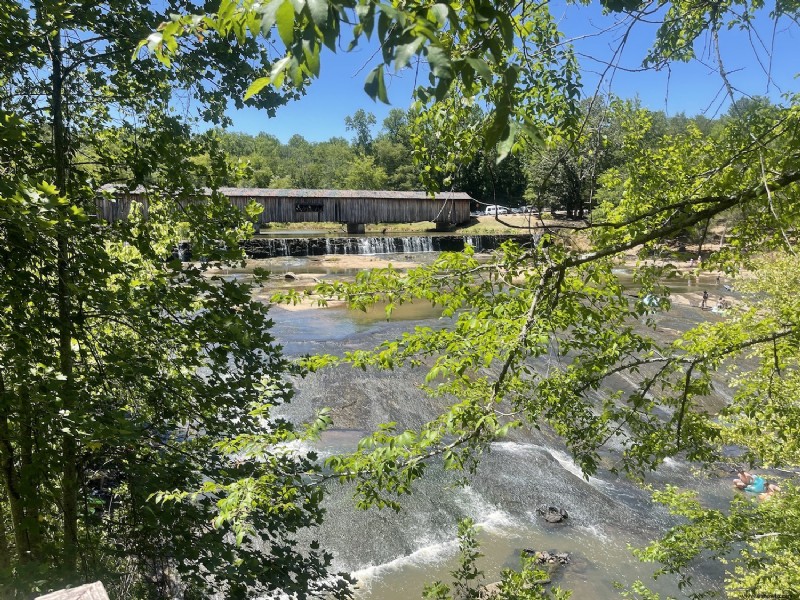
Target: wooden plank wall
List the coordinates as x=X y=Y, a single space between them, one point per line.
x=359 y=210
x=332 y=209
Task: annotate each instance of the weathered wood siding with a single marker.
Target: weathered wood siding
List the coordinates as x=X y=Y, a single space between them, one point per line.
x=118 y=208
x=337 y=206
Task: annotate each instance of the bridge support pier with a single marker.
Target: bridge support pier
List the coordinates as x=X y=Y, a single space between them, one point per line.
x=356 y=228
x=444 y=226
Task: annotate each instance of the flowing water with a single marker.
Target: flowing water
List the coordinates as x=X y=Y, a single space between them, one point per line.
x=393 y=555
x=261 y=247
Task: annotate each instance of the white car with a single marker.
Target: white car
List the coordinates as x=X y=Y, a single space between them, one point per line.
x=495 y=209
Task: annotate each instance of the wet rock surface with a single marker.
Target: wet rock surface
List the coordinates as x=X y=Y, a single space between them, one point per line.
x=552 y=514
x=545 y=557
x=550 y=562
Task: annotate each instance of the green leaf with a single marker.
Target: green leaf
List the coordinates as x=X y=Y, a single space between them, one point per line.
x=384 y=25
x=255 y=87
x=279 y=70
x=311 y=54
x=506 y=144
x=440 y=62
x=226 y=8
x=154 y=41
x=506 y=28
x=330 y=34
x=269 y=17
x=621 y=5
x=440 y=13
x=366 y=16
x=319 y=11
x=499 y=127
x=481 y=68
x=375 y=86
x=284 y=17
x=404 y=53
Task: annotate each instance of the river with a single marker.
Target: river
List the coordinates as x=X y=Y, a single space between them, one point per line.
x=393 y=555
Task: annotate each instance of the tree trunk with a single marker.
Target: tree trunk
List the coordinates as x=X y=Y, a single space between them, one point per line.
x=703 y=238
x=69 y=481
x=5 y=553
x=29 y=475
x=10 y=479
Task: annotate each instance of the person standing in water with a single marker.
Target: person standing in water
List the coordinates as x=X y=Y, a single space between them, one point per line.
x=705 y=299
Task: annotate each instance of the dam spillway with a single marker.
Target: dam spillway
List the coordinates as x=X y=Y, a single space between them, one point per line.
x=272 y=247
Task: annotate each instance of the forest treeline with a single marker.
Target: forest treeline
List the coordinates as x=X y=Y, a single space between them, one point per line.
x=558 y=176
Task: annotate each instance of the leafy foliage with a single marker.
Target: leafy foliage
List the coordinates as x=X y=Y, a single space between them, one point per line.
x=537 y=335
x=126 y=372
x=481 y=49
x=123 y=372
x=525 y=584
x=170 y=364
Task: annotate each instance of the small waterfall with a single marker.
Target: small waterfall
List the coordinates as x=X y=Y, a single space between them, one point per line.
x=417 y=244
x=266 y=247
x=476 y=241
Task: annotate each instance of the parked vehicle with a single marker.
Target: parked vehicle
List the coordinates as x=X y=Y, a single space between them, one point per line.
x=495 y=209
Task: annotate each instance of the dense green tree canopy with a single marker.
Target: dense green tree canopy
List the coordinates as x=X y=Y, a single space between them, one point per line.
x=123 y=373
x=663 y=184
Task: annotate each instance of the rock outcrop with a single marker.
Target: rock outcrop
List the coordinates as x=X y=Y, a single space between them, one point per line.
x=552 y=514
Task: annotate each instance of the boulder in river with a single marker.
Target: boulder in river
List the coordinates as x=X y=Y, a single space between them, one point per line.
x=550 y=563
x=489 y=591
x=543 y=557
x=552 y=514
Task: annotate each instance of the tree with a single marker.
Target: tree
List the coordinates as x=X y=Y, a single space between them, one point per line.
x=364 y=174
x=504 y=323
x=396 y=161
x=361 y=122
x=563 y=173
x=392 y=151
x=395 y=127
x=120 y=368
x=476 y=64
x=549 y=301
x=491 y=182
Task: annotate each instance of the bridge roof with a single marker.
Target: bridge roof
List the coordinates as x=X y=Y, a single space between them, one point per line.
x=302 y=193
x=377 y=194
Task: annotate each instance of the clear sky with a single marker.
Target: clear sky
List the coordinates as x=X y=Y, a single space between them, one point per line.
x=691 y=88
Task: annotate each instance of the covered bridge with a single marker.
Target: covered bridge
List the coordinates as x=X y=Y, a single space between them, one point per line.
x=355 y=208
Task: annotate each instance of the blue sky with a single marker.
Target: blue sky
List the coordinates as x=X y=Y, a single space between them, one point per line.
x=691 y=88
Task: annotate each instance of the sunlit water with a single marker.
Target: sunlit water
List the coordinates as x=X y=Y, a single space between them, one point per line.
x=393 y=555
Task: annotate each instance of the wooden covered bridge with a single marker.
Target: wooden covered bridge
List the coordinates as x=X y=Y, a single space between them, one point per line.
x=354 y=208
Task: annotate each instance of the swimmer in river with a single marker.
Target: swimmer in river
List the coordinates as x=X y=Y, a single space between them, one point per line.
x=755 y=484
